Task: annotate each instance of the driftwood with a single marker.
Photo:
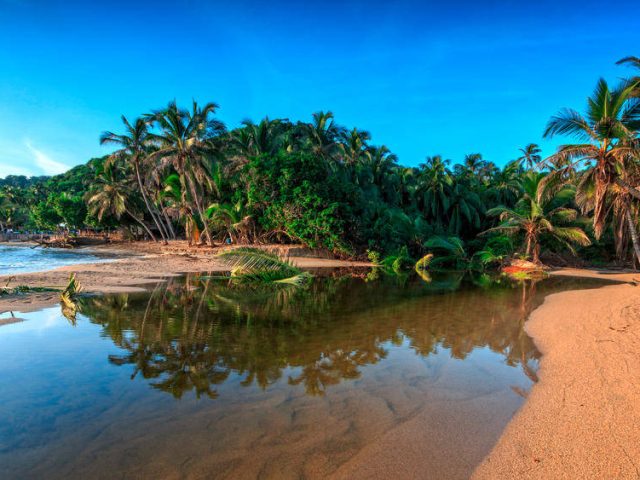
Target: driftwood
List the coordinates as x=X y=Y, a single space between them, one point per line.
x=58 y=243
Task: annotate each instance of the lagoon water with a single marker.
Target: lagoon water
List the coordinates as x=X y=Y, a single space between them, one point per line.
x=25 y=259
x=201 y=379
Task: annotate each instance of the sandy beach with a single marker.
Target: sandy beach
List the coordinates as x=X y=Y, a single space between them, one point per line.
x=139 y=264
x=579 y=421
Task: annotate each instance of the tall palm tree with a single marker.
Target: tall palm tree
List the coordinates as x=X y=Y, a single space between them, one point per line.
x=618 y=204
x=505 y=186
x=111 y=194
x=608 y=135
x=134 y=149
x=530 y=157
x=253 y=139
x=434 y=189
x=323 y=134
x=185 y=143
x=353 y=146
x=537 y=215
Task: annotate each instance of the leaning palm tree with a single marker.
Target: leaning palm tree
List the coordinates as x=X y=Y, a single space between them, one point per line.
x=537 y=215
x=111 y=194
x=608 y=137
x=134 y=149
x=530 y=157
x=185 y=143
x=620 y=208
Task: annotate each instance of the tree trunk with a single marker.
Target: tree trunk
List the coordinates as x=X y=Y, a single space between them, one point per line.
x=172 y=232
x=146 y=202
x=196 y=199
x=634 y=234
x=528 y=250
x=144 y=225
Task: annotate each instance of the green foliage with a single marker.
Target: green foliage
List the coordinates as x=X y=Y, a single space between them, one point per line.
x=448 y=251
x=256 y=265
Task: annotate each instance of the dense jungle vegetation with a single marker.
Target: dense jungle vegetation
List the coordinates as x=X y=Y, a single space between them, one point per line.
x=179 y=173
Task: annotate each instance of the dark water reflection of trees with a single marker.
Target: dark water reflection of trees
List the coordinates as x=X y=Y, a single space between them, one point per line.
x=192 y=334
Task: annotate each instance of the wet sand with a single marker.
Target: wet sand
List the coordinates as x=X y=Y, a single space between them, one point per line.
x=582 y=418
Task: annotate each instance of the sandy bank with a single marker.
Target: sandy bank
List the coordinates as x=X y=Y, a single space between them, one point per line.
x=582 y=418
x=151 y=263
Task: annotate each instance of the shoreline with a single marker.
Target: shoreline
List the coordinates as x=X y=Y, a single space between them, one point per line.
x=580 y=419
x=135 y=265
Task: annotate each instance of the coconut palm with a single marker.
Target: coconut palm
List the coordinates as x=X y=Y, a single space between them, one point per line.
x=323 y=134
x=530 y=157
x=185 y=143
x=235 y=219
x=608 y=132
x=253 y=139
x=537 y=215
x=353 y=146
x=433 y=189
x=634 y=62
x=111 y=194
x=134 y=149
x=619 y=205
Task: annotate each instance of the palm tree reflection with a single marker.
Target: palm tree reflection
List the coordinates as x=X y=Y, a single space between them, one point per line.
x=193 y=334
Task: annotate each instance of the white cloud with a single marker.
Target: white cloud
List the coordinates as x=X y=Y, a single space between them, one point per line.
x=46 y=163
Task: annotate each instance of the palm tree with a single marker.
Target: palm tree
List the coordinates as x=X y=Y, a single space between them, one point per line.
x=634 y=62
x=434 y=188
x=175 y=205
x=530 y=157
x=185 y=143
x=253 y=140
x=134 y=149
x=235 y=218
x=537 y=215
x=111 y=194
x=505 y=187
x=323 y=134
x=608 y=131
x=618 y=203
x=353 y=146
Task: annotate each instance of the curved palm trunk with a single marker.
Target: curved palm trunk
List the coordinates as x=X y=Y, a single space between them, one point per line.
x=144 y=225
x=147 y=204
x=634 y=234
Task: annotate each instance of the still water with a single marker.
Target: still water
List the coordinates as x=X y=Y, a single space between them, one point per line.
x=200 y=379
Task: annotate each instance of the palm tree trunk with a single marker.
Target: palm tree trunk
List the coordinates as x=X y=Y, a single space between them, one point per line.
x=172 y=232
x=144 y=225
x=146 y=202
x=634 y=233
x=196 y=199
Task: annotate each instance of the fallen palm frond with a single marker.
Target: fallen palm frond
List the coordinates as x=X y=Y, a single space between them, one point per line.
x=68 y=299
x=22 y=289
x=255 y=265
x=424 y=262
x=297 y=280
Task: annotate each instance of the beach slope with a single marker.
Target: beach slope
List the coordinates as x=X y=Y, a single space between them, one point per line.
x=582 y=420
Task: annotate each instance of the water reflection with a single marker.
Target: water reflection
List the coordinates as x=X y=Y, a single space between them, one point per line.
x=191 y=334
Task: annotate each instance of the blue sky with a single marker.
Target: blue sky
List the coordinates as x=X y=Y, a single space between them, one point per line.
x=424 y=78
